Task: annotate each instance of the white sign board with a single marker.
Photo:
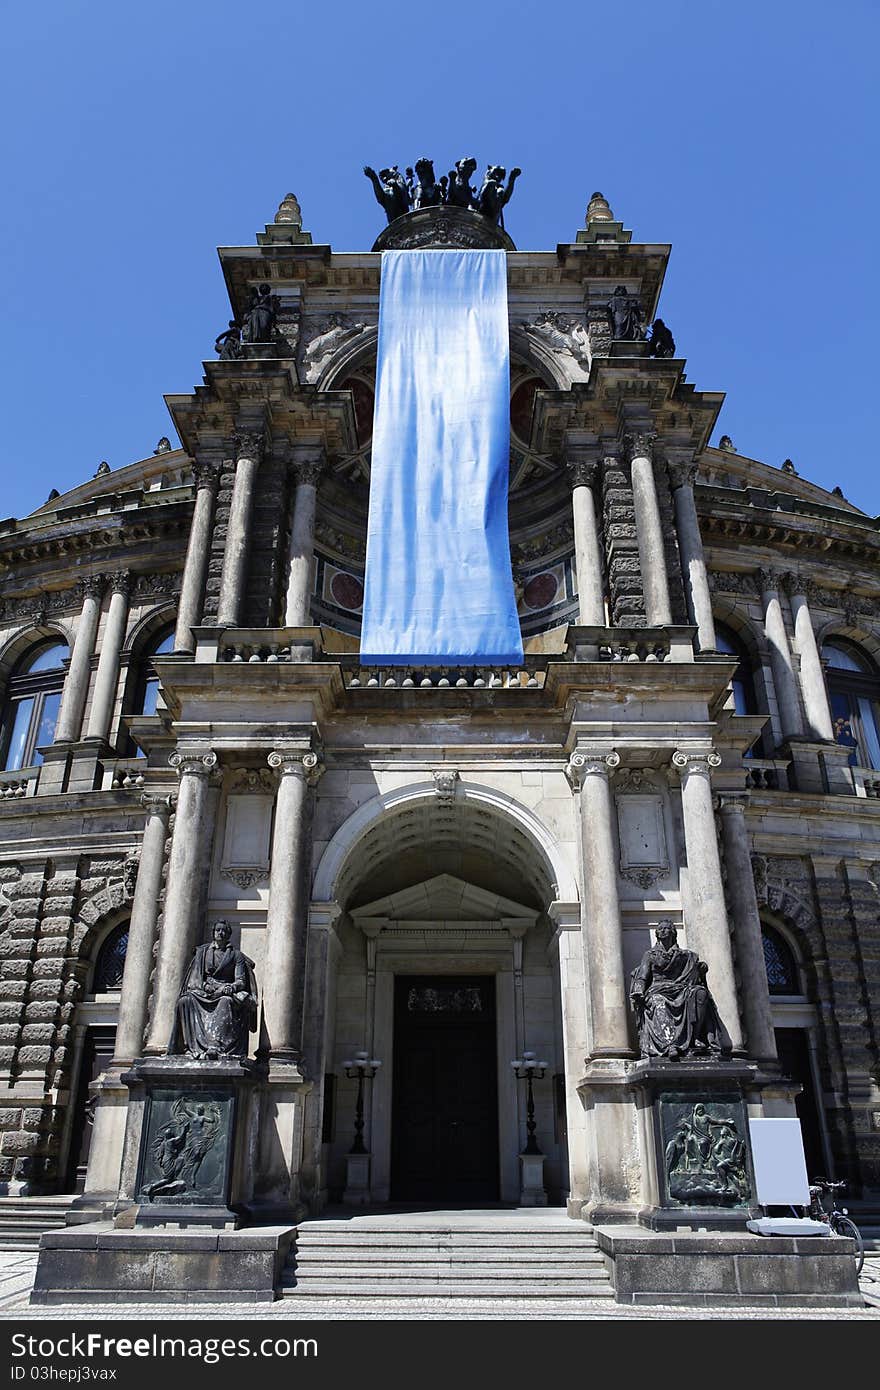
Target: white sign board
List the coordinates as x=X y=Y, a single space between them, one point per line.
x=780 y=1167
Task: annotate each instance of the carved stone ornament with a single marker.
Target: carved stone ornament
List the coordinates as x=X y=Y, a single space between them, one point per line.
x=256 y=781
x=581 y=472
x=308 y=470
x=245 y=878
x=585 y=764
x=633 y=779
x=249 y=444
x=296 y=763
x=156 y=805
x=759 y=873
x=328 y=335
x=640 y=444
x=728 y=582
x=682 y=472
x=185 y=1133
x=445 y=780
x=206 y=473
x=447 y=228
x=194 y=763
x=704 y=763
x=705 y=1158
x=92 y=586
x=769 y=580
x=130 y=873
x=562 y=333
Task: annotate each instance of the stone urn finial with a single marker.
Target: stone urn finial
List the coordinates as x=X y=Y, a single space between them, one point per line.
x=289 y=211
x=598 y=209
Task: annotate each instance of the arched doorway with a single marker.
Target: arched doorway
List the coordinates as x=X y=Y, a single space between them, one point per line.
x=94 y=1043
x=447 y=973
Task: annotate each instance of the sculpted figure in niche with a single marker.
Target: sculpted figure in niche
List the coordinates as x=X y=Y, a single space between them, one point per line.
x=259 y=321
x=217 y=1005
x=674 y=1010
x=626 y=315
x=493 y=196
x=181 y=1145
x=391 y=191
x=228 y=343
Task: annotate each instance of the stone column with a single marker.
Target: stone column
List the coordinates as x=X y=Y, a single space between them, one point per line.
x=107 y=678
x=682 y=472
x=706 y=923
x=649 y=530
x=812 y=677
x=307 y=468
x=76 y=684
x=233 y=580
x=134 y=997
x=601 y=927
x=781 y=665
x=587 y=551
x=287 y=916
x=198 y=551
x=188 y=869
x=746 y=917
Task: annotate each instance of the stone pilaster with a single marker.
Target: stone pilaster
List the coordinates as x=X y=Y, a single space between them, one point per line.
x=188 y=871
x=682 y=473
x=307 y=469
x=582 y=475
x=621 y=544
x=746 y=921
x=287 y=917
x=134 y=996
x=107 y=678
x=76 y=684
x=706 y=924
x=195 y=569
x=649 y=530
x=233 y=582
x=601 y=930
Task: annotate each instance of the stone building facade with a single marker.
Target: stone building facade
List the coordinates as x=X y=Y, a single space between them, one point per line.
x=438 y=865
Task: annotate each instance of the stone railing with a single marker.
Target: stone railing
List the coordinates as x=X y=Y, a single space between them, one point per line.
x=21 y=783
x=124 y=774
x=866 y=782
x=529 y=676
x=630 y=644
x=766 y=774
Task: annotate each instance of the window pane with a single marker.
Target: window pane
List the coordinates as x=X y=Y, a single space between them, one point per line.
x=49 y=659
x=868 y=721
x=781 y=969
x=841 y=715
x=151 y=695
x=740 y=698
x=842 y=659
x=21 y=714
x=48 y=720
x=166 y=645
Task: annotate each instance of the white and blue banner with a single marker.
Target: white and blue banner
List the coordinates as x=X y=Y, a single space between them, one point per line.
x=438 y=584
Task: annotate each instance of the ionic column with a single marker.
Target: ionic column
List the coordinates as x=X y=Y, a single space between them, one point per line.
x=601 y=926
x=746 y=917
x=781 y=664
x=188 y=868
x=682 y=472
x=587 y=551
x=649 y=530
x=249 y=451
x=287 y=915
x=307 y=470
x=706 y=923
x=198 y=550
x=134 y=996
x=812 y=678
x=76 y=683
x=107 y=678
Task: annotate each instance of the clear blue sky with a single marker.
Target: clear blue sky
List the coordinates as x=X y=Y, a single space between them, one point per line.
x=138 y=138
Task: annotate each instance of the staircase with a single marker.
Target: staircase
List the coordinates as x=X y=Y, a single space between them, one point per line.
x=24 y=1219
x=454 y=1263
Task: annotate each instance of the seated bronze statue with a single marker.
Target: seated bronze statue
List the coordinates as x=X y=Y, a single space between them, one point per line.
x=674 y=1011
x=217 y=1005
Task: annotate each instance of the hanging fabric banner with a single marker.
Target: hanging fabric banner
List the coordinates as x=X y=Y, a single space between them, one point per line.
x=438 y=583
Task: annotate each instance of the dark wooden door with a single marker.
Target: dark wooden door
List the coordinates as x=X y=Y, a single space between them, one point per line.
x=444 y=1103
x=794 y=1059
x=97 y=1051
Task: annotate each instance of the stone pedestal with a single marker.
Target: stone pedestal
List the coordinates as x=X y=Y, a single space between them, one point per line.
x=357 y=1180
x=696 y=1150
x=190 y=1140
x=532 y=1192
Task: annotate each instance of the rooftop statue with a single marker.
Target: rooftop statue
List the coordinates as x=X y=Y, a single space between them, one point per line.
x=259 y=321
x=390 y=188
x=674 y=1011
x=228 y=343
x=418 y=188
x=626 y=315
x=493 y=195
x=428 y=192
x=459 y=193
x=661 y=340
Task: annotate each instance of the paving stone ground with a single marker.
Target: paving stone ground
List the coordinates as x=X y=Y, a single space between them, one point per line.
x=17 y=1275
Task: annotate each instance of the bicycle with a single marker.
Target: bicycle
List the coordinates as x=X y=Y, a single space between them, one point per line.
x=837 y=1218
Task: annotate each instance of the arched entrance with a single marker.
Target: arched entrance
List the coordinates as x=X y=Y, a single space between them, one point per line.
x=447 y=973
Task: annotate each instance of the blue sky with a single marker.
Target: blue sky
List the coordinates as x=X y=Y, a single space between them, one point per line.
x=137 y=139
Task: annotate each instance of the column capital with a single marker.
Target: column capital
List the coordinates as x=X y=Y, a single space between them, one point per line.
x=703 y=763
x=306 y=763
x=307 y=466
x=769 y=580
x=157 y=805
x=581 y=472
x=681 y=467
x=729 y=803
x=121 y=583
x=249 y=444
x=639 y=444
x=585 y=763
x=206 y=474
x=196 y=762
x=92 y=586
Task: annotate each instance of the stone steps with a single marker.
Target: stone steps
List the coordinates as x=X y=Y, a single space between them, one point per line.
x=24 y=1219
x=485 y=1266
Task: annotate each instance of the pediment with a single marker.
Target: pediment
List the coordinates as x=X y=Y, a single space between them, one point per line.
x=445 y=898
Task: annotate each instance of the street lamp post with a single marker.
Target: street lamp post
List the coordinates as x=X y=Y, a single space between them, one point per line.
x=362 y=1067
x=532 y=1193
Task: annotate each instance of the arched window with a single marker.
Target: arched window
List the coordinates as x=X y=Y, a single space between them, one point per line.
x=149 y=690
x=853 y=693
x=742 y=683
x=33 y=701
x=111 y=961
x=782 y=971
